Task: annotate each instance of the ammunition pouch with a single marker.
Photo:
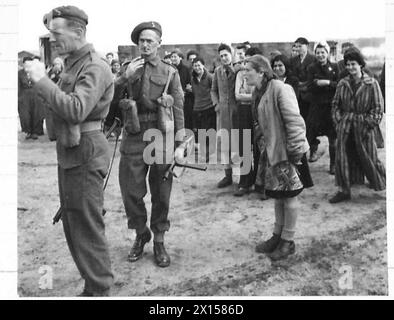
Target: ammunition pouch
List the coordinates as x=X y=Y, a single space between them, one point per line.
x=130 y=116
x=165 y=114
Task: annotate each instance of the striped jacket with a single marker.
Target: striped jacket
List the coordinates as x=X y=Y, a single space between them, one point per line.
x=355 y=116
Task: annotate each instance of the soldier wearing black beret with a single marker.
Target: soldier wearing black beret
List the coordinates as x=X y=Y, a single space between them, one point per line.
x=78 y=106
x=146 y=78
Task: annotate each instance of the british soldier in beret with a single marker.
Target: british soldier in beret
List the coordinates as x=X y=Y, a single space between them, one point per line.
x=78 y=106
x=146 y=77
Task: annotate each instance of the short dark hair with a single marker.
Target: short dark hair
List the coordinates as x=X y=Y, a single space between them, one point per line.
x=285 y=60
x=167 y=56
x=252 y=51
x=347 y=44
x=224 y=46
x=109 y=53
x=302 y=40
x=114 y=61
x=191 y=52
x=178 y=52
x=242 y=46
x=199 y=59
x=354 y=54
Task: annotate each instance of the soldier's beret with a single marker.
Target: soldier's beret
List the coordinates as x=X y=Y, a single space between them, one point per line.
x=66 y=12
x=152 y=25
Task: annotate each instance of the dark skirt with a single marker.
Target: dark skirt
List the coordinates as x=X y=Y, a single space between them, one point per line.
x=305 y=177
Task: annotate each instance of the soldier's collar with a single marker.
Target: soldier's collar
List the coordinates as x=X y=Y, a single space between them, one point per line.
x=76 y=55
x=154 y=61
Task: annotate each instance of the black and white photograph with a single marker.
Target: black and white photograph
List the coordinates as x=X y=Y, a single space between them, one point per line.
x=201 y=149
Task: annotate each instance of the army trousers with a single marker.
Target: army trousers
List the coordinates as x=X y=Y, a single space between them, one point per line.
x=133 y=171
x=81 y=196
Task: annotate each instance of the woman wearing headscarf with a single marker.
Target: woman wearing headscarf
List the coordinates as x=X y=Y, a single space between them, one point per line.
x=322 y=77
x=284 y=134
x=357 y=109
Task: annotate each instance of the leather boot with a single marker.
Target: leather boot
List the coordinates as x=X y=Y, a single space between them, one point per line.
x=339 y=197
x=138 y=246
x=162 y=258
x=227 y=180
x=283 y=250
x=269 y=245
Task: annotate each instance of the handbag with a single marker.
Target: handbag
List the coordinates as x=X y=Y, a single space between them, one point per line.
x=165 y=114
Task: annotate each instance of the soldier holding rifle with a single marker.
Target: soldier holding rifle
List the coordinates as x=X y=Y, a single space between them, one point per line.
x=155 y=102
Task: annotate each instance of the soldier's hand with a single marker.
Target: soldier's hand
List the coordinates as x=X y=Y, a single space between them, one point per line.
x=35 y=70
x=134 y=65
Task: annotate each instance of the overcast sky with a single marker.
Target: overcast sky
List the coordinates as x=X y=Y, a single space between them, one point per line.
x=213 y=21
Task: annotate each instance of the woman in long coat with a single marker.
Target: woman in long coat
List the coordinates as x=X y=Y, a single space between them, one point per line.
x=284 y=134
x=357 y=111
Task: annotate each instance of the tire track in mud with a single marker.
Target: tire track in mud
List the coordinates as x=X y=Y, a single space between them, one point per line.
x=260 y=275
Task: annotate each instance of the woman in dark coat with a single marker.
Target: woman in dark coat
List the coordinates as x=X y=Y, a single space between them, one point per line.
x=357 y=111
x=322 y=82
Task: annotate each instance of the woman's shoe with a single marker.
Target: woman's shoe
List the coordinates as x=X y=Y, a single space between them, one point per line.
x=241 y=192
x=269 y=245
x=283 y=250
x=339 y=197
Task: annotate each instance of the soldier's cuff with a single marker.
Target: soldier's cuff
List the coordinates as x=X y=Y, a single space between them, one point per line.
x=44 y=88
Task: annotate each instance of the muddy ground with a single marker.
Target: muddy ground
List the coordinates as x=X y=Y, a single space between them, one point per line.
x=212 y=238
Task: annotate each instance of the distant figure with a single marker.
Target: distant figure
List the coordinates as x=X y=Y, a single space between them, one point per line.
x=274 y=53
x=357 y=111
x=31 y=113
x=115 y=68
x=240 y=53
x=294 y=51
x=190 y=56
x=185 y=76
x=56 y=70
x=243 y=96
x=341 y=63
x=109 y=56
x=323 y=79
x=223 y=98
x=204 y=115
x=299 y=65
x=167 y=58
x=280 y=64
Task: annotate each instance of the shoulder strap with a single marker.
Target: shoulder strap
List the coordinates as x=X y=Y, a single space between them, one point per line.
x=170 y=72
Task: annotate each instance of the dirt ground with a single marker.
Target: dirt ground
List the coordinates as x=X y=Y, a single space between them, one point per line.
x=212 y=237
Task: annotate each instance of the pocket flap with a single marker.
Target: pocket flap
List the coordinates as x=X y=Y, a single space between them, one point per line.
x=158 y=79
